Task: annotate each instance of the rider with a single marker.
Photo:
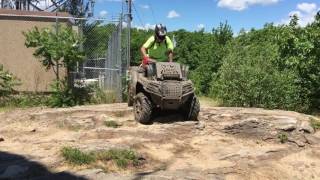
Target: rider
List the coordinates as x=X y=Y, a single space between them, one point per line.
x=158 y=47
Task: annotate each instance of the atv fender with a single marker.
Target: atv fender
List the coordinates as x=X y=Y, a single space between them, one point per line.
x=133 y=79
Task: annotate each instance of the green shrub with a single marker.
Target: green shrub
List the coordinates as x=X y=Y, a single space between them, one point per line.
x=65 y=96
x=249 y=78
x=7 y=82
x=77 y=157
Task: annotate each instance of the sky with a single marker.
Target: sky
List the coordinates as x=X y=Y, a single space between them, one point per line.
x=194 y=15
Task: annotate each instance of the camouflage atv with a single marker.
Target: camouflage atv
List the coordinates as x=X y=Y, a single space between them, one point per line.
x=161 y=85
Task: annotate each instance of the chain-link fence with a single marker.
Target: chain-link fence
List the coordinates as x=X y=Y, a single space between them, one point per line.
x=106 y=55
x=105 y=46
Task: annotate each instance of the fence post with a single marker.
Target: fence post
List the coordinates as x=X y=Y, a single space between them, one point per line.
x=57 y=32
x=119 y=56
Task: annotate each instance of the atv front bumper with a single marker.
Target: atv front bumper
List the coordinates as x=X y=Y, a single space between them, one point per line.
x=169 y=94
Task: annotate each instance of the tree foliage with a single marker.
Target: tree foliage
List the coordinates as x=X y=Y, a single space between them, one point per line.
x=277 y=66
x=55 y=47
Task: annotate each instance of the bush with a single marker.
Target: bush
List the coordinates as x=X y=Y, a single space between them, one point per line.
x=249 y=78
x=65 y=96
x=7 y=82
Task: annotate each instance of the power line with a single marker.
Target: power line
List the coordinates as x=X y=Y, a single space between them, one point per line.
x=139 y=18
x=153 y=16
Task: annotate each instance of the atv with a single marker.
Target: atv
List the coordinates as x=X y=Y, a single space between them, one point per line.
x=164 y=86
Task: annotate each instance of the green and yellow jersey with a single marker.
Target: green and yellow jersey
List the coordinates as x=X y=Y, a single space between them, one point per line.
x=158 y=51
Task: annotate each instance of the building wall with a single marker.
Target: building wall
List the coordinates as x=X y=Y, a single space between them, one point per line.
x=18 y=59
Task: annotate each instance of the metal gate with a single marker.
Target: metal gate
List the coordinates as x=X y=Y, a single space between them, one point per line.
x=107 y=62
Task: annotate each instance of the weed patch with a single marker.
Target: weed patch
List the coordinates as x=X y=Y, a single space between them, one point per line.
x=283 y=137
x=77 y=157
x=315 y=124
x=112 y=124
x=122 y=158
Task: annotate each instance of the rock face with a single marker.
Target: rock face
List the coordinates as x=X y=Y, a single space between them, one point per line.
x=226 y=143
x=306 y=127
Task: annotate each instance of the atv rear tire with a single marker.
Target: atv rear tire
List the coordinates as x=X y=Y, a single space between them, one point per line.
x=142 y=109
x=130 y=102
x=193 y=109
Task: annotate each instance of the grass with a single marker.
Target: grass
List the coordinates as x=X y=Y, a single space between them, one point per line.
x=112 y=124
x=208 y=101
x=76 y=157
x=103 y=97
x=122 y=158
x=283 y=137
x=119 y=114
x=24 y=100
x=315 y=124
x=5 y=109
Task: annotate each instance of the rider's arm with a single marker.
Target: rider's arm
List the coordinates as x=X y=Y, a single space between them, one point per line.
x=170 y=56
x=144 y=52
x=146 y=46
x=170 y=48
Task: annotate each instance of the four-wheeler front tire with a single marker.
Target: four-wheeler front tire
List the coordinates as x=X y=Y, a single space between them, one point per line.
x=193 y=108
x=142 y=108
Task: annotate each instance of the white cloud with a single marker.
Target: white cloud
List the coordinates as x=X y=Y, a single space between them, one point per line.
x=200 y=26
x=111 y=0
x=100 y=1
x=145 y=6
x=305 y=12
x=173 y=14
x=307 y=7
x=124 y=24
x=240 y=5
x=103 y=14
x=145 y=27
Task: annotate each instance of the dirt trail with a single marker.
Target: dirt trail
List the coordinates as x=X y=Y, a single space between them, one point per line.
x=226 y=143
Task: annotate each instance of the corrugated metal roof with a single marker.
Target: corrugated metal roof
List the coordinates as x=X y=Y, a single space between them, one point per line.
x=9 y=14
x=4 y=12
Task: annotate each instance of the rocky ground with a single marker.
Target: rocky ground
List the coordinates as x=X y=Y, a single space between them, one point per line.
x=226 y=143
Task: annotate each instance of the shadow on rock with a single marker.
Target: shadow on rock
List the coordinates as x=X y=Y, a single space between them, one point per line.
x=167 y=117
x=13 y=166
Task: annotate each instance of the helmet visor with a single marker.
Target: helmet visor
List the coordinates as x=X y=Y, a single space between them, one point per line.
x=162 y=33
x=161 y=38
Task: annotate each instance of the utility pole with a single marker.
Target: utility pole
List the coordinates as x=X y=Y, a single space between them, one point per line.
x=129 y=15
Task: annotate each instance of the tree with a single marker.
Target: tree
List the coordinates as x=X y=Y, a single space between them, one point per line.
x=223 y=33
x=55 y=48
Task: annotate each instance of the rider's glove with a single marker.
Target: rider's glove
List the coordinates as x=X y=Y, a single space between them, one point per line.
x=145 y=60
